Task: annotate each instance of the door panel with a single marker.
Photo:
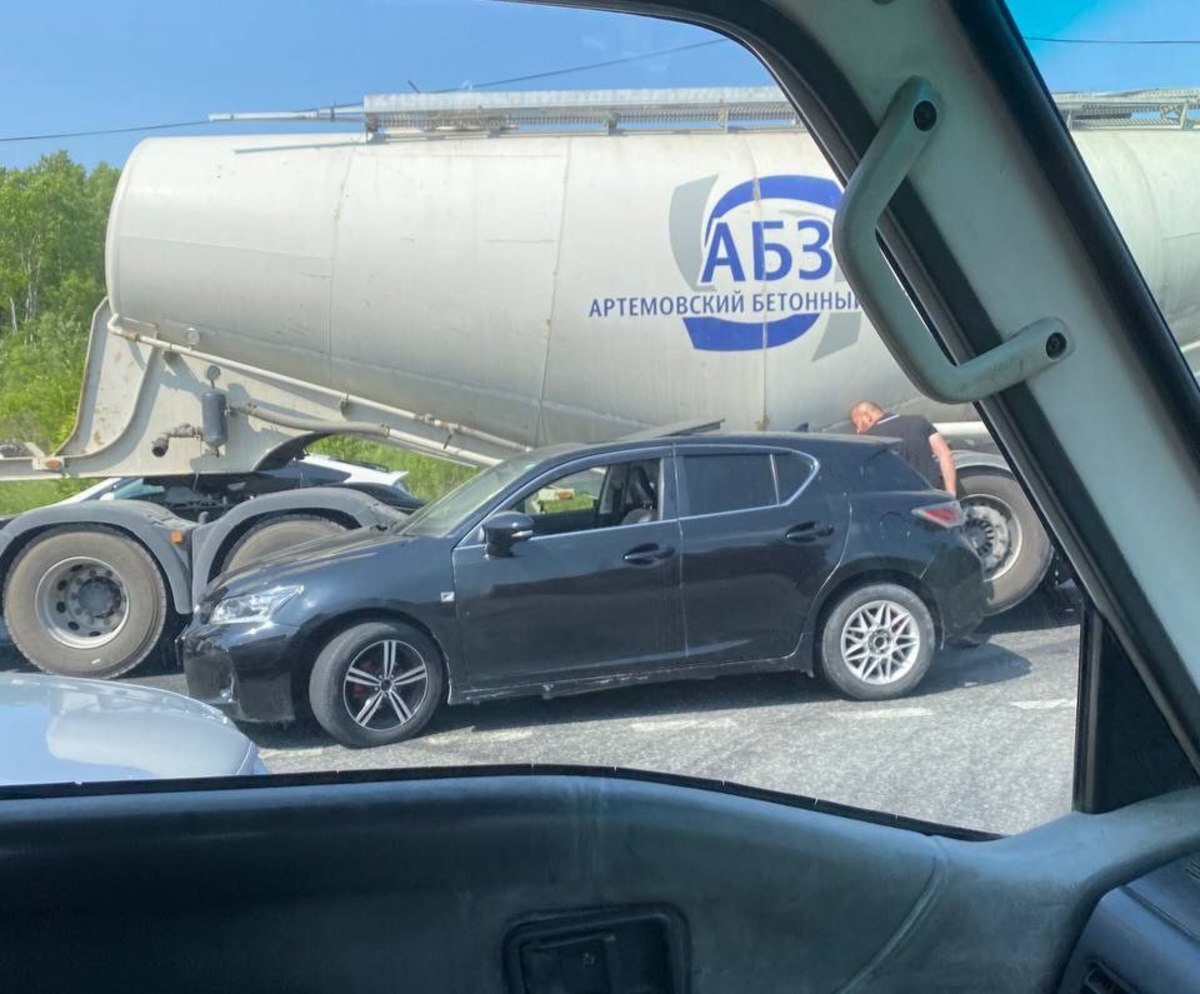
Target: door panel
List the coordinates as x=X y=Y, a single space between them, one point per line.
x=575 y=605
x=749 y=577
x=413 y=885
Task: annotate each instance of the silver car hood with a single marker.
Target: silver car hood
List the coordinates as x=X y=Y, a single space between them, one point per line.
x=59 y=729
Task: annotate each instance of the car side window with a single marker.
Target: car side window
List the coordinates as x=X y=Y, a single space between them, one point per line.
x=596 y=497
x=568 y=495
x=792 y=471
x=729 y=482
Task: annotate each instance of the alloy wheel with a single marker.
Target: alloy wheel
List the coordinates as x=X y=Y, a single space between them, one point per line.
x=881 y=642
x=385 y=685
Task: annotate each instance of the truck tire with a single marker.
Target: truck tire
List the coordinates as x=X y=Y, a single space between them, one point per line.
x=1008 y=536
x=376 y=683
x=876 y=643
x=87 y=602
x=278 y=535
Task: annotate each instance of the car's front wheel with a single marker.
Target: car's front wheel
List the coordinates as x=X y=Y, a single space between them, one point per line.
x=877 y=642
x=375 y=683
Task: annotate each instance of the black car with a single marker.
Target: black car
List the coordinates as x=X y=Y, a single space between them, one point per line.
x=582 y=568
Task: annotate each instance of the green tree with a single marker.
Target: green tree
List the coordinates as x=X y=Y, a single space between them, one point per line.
x=53 y=217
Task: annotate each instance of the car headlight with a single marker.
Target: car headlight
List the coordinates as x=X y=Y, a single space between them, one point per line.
x=252 y=607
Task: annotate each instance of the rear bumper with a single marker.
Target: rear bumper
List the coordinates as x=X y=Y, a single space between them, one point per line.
x=242 y=670
x=955 y=578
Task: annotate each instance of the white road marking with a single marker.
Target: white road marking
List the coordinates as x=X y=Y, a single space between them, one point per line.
x=478 y=735
x=1051 y=705
x=509 y=735
x=861 y=715
x=265 y=754
x=678 y=724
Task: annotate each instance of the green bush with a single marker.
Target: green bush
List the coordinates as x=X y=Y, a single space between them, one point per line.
x=40 y=379
x=18 y=497
x=52 y=221
x=428 y=477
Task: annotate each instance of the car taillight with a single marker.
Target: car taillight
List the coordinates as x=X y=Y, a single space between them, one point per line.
x=947 y=515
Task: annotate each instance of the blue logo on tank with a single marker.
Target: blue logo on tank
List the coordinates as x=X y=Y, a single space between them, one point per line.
x=760 y=274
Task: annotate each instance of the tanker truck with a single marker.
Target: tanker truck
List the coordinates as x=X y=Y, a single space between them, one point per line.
x=477 y=274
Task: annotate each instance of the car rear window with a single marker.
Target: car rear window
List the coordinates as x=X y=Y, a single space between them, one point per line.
x=885 y=470
x=732 y=482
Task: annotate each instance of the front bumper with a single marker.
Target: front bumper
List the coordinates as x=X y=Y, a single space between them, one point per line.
x=955 y=578
x=245 y=671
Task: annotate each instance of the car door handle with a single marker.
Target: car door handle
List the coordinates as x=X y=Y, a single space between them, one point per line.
x=648 y=555
x=808 y=532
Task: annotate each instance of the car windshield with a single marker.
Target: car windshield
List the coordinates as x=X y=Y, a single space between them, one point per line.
x=443 y=516
x=136 y=489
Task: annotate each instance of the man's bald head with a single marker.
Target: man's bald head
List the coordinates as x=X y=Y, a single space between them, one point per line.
x=864 y=414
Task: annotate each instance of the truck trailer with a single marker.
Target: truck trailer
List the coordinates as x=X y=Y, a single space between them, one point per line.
x=477 y=274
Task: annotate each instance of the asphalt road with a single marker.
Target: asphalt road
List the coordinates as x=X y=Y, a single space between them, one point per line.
x=985 y=743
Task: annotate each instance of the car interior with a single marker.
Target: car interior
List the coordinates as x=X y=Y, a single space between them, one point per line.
x=968 y=222
x=627 y=495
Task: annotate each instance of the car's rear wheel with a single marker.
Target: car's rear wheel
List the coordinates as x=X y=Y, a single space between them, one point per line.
x=376 y=683
x=877 y=642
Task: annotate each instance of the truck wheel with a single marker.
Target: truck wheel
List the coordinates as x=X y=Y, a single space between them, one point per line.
x=376 y=683
x=85 y=602
x=278 y=535
x=1005 y=531
x=877 y=642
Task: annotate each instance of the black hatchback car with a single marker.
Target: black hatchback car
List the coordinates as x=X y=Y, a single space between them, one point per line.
x=583 y=568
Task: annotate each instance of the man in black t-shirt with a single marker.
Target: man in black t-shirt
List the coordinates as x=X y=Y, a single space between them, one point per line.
x=921 y=446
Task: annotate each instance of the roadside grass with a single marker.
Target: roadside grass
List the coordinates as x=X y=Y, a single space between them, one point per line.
x=18 y=497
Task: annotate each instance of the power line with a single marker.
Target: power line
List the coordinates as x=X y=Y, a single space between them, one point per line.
x=478 y=86
x=102 y=131
x=584 y=67
x=594 y=65
x=1112 y=41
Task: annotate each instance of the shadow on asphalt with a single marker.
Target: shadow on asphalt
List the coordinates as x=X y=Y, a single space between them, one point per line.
x=956 y=669
x=952 y=669
x=1044 y=611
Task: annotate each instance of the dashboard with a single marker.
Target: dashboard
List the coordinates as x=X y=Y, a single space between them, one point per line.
x=1143 y=937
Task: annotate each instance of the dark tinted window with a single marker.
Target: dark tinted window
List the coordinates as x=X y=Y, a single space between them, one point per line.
x=792 y=471
x=728 y=482
x=887 y=471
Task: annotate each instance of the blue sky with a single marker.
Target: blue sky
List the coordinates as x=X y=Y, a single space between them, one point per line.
x=81 y=65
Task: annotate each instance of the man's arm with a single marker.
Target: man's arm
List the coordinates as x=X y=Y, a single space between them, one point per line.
x=945 y=459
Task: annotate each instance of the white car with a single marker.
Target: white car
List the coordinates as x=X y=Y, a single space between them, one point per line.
x=311 y=469
x=68 y=730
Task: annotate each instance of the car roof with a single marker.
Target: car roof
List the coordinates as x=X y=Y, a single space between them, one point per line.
x=820 y=445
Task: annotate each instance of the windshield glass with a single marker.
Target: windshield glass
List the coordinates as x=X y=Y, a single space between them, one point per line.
x=443 y=516
x=1128 y=90
x=556 y=227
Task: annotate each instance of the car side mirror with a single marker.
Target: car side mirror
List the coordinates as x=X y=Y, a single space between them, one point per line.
x=501 y=531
